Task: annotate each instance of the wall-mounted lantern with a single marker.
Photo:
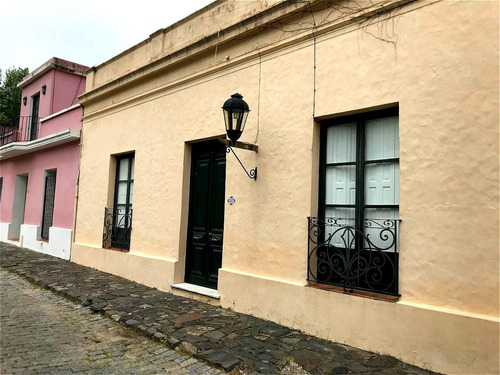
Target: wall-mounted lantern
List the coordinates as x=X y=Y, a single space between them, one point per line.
x=25 y=100
x=235 y=116
x=236 y=111
x=44 y=89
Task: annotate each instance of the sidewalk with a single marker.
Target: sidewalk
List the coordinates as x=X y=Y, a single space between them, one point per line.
x=218 y=336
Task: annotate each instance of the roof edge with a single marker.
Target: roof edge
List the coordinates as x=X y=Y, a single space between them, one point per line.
x=54 y=63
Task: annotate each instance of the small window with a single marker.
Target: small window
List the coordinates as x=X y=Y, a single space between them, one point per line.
x=118 y=219
x=1 y=185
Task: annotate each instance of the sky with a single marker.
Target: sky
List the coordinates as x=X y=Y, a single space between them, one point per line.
x=88 y=33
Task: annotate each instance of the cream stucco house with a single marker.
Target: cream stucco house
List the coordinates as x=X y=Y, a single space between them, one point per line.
x=374 y=218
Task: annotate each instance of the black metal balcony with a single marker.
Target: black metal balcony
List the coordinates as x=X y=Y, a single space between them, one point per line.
x=117 y=229
x=22 y=129
x=363 y=257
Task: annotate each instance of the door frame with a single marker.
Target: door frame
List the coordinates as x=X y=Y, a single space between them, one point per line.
x=19 y=205
x=189 y=177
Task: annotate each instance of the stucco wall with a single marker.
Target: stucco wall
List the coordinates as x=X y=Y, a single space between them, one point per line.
x=446 y=82
x=68 y=87
x=35 y=87
x=62 y=91
x=65 y=160
x=433 y=59
x=71 y=119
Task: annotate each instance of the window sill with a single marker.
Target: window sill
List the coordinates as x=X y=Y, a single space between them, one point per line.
x=116 y=249
x=356 y=293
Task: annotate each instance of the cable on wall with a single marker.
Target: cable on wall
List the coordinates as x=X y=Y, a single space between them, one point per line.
x=258 y=99
x=314 y=57
x=217 y=45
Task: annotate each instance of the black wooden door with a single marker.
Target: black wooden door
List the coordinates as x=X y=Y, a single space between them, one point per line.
x=48 y=203
x=34 y=117
x=206 y=213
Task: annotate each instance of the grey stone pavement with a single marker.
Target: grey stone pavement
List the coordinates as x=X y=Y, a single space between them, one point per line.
x=223 y=338
x=42 y=332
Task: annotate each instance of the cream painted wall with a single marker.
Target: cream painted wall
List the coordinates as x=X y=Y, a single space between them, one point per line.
x=446 y=341
x=440 y=64
x=446 y=83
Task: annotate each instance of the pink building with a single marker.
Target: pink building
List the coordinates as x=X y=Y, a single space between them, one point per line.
x=39 y=160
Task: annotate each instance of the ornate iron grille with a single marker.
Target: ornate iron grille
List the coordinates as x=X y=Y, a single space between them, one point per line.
x=117 y=229
x=363 y=256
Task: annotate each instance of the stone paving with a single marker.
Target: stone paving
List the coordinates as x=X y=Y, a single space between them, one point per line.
x=42 y=332
x=218 y=336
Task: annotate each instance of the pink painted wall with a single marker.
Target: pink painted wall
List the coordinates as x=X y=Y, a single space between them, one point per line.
x=65 y=160
x=67 y=89
x=45 y=100
x=68 y=120
x=63 y=89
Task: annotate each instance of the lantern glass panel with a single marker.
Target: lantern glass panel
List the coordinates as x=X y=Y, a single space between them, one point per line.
x=226 y=119
x=244 y=120
x=237 y=116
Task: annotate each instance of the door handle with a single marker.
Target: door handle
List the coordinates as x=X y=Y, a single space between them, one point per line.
x=215 y=238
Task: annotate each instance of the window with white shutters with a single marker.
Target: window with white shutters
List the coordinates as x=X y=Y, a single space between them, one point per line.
x=360 y=167
x=353 y=241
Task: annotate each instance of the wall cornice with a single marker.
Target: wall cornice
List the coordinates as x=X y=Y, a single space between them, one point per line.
x=246 y=27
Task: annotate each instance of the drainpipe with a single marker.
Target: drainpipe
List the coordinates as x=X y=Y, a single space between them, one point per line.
x=77 y=189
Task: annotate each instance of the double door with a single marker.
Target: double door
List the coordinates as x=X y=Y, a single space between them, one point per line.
x=206 y=213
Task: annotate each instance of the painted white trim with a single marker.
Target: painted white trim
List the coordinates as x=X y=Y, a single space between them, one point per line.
x=36 y=73
x=20 y=148
x=59 y=244
x=60 y=112
x=212 y=293
x=4 y=231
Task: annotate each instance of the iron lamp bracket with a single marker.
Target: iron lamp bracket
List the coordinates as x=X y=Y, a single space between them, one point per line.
x=246 y=146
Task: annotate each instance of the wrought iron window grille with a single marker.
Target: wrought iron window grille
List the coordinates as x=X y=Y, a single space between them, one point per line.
x=362 y=257
x=117 y=229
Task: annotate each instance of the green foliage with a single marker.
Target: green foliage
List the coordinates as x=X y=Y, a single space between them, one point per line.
x=10 y=94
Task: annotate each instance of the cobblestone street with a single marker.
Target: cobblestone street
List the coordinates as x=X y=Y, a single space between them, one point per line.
x=45 y=333
x=221 y=337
